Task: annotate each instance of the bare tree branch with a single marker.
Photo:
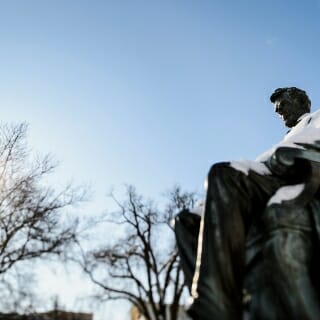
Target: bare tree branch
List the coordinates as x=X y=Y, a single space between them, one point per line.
x=143 y=266
x=32 y=223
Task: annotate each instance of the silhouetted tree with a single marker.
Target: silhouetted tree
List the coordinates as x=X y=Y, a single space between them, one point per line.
x=31 y=221
x=142 y=267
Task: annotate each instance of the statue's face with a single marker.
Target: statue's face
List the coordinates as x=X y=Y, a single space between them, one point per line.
x=289 y=109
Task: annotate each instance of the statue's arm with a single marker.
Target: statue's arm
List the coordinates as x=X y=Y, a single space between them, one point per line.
x=276 y=167
x=288 y=161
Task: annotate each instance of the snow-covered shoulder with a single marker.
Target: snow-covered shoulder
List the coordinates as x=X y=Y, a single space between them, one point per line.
x=306 y=131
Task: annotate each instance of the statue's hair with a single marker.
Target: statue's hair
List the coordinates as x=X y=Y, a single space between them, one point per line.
x=295 y=93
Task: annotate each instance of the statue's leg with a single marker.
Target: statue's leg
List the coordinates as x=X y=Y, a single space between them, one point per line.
x=280 y=283
x=187 y=231
x=231 y=198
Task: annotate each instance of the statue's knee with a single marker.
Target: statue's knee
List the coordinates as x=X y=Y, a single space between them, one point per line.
x=186 y=220
x=218 y=169
x=178 y=220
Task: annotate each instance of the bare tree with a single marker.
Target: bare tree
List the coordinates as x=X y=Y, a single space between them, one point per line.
x=142 y=267
x=31 y=222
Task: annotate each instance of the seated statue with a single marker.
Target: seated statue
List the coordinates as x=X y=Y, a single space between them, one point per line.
x=253 y=253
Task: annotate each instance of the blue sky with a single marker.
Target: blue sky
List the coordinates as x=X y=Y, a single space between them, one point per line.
x=153 y=92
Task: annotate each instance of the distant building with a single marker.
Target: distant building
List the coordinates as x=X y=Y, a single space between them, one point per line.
x=64 y=315
x=135 y=314
x=51 y=315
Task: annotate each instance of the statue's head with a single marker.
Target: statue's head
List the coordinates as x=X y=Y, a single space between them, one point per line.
x=290 y=103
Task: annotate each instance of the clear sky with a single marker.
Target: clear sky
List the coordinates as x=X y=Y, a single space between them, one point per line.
x=153 y=92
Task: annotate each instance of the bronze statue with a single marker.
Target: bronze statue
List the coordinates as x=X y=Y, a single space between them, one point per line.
x=255 y=249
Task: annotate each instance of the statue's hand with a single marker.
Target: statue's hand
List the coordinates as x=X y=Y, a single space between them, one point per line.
x=280 y=167
x=290 y=163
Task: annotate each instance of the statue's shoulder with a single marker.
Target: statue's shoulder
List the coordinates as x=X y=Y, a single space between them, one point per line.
x=313 y=119
x=315 y=115
x=310 y=120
